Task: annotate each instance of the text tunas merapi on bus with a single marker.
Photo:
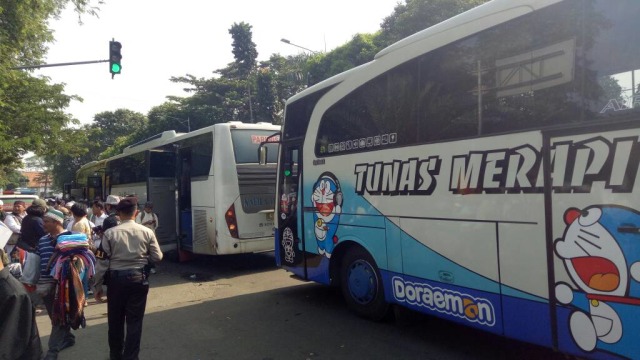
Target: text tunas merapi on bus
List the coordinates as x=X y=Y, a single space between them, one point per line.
x=575 y=167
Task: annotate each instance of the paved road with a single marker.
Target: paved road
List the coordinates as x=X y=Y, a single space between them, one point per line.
x=243 y=307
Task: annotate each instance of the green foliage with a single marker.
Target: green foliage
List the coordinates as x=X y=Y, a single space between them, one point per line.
x=244 y=49
x=213 y=100
x=118 y=145
x=110 y=126
x=245 y=54
x=32 y=117
x=290 y=75
x=100 y=139
x=265 y=103
x=406 y=20
x=224 y=97
x=75 y=149
x=11 y=179
x=416 y=15
x=39 y=163
x=165 y=117
x=240 y=91
x=360 y=50
x=31 y=109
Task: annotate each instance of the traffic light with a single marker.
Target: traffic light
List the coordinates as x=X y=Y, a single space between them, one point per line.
x=115 y=58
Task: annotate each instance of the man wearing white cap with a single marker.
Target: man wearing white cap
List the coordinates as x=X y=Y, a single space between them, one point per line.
x=18 y=329
x=110 y=206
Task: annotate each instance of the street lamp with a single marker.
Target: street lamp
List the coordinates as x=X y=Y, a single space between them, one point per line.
x=181 y=121
x=301 y=47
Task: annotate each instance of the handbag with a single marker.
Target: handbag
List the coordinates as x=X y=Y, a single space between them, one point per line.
x=22 y=244
x=31 y=270
x=13 y=239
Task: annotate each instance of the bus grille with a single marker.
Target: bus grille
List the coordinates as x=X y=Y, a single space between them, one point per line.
x=200 y=237
x=255 y=175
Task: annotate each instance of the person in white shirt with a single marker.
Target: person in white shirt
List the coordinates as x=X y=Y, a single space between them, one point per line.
x=97 y=213
x=97 y=218
x=14 y=223
x=147 y=217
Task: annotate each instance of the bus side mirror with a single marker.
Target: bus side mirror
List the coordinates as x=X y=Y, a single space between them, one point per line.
x=262 y=149
x=262 y=154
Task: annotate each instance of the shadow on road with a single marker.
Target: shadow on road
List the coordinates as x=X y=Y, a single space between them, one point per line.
x=204 y=268
x=299 y=322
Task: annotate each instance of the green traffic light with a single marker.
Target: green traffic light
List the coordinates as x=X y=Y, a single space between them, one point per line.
x=287 y=173
x=115 y=68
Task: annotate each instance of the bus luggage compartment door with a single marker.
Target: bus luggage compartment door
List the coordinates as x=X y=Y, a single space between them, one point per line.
x=162 y=194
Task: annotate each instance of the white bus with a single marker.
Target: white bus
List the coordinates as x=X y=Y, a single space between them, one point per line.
x=208 y=192
x=484 y=170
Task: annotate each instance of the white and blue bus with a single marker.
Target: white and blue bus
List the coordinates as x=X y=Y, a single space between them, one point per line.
x=209 y=193
x=484 y=170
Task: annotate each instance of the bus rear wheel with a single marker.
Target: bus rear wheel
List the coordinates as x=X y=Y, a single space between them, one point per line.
x=362 y=285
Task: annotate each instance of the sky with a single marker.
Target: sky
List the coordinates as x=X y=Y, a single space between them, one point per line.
x=163 y=38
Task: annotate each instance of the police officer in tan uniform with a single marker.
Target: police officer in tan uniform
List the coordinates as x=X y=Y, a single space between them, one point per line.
x=127 y=249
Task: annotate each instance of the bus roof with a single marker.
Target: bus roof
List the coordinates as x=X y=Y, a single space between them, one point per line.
x=230 y=125
x=472 y=21
x=455 y=28
x=152 y=142
x=91 y=164
x=168 y=137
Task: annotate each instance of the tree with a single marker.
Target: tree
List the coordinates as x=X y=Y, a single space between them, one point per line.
x=119 y=122
x=290 y=75
x=165 y=117
x=416 y=15
x=244 y=49
x=266 y=109
x=12 y=179
x=110 y=125
x=213 y=100
x=245 y=54
x=76 y=147
x=31 y=109
x=40 y=165
x=406 y=20
x=359 y=50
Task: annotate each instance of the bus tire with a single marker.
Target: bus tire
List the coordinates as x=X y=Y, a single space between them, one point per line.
x=361 y=285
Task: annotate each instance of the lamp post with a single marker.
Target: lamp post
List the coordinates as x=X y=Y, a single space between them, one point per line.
x=181 y=121
x=301 y=47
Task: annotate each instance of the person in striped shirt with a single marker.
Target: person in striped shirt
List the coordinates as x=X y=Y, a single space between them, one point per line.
x=61 y=336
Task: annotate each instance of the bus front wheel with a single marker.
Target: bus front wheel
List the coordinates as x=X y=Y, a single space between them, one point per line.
x=362 y=285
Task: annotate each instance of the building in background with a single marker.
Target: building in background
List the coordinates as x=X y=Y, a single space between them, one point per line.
x=36 y=183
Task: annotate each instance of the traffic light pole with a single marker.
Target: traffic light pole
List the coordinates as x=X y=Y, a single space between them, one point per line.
x=58 y=64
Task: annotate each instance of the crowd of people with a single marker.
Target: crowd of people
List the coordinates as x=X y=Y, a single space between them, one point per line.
x=57 y=254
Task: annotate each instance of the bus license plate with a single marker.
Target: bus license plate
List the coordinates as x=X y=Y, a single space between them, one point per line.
x=270 y=216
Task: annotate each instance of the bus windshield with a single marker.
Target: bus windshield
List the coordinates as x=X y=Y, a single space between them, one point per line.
x=246 y=143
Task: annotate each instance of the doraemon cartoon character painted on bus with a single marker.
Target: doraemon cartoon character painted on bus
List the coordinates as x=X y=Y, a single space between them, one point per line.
x=600 y=250
x=327 y=201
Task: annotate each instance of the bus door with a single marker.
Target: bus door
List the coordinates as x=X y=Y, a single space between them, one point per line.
x=593 y=234
x=162 y=192
x=185 y=233
x=289 y=245
x=94 y=187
